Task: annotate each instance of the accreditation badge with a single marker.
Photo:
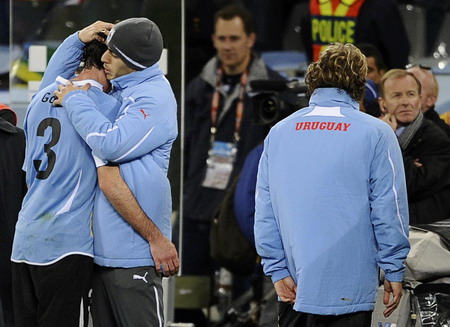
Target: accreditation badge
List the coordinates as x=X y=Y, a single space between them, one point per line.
x=219 y=165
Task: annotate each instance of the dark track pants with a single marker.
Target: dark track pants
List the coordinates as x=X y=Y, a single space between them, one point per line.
x=127 y=297
x=288 y=317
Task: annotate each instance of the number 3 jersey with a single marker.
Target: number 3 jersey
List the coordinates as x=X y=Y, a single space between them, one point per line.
x=55 y=219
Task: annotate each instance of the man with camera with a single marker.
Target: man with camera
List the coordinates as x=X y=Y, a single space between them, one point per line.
x=219 y=130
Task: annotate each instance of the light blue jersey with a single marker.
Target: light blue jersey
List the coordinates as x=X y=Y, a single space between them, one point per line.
x=55 y=219
x=140 y=140
x=331 y=205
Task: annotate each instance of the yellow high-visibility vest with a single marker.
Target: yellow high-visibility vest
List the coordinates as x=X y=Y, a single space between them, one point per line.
x=333 y=21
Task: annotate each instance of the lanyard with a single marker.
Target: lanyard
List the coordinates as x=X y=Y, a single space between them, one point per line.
x=239 y=107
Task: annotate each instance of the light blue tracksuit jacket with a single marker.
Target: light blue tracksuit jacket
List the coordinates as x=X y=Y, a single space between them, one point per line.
x=331 y=205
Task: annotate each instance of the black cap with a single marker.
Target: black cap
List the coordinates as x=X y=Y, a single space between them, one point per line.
x=137 y=41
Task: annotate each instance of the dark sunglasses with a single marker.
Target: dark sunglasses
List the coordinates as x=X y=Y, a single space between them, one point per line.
x=417 y=65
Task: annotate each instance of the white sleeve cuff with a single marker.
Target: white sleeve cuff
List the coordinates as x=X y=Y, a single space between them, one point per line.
x=99 y=162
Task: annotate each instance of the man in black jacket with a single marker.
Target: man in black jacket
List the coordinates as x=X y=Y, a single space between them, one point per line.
x=12 y=191
x=219 y=133
x=425 y=146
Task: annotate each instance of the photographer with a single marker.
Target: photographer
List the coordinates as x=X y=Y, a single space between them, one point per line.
x=219 y=134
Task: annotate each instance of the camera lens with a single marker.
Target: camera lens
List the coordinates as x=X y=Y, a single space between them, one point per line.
x=269 y=110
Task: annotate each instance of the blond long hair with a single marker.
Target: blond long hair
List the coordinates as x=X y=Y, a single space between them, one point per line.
x=341 y=66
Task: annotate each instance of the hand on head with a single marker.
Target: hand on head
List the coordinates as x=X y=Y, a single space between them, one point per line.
x=92 y=31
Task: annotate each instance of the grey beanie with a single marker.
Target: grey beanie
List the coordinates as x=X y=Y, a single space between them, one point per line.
x=137 y=41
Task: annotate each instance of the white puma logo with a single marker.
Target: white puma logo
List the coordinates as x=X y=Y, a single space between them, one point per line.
x=141 y=277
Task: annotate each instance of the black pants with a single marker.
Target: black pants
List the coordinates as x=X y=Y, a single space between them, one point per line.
x=51 y=295
x=288 y=317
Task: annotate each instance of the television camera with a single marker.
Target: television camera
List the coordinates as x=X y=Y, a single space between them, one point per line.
x=273 y=100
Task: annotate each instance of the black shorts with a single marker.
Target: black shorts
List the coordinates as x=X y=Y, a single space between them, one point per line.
x=52 y=295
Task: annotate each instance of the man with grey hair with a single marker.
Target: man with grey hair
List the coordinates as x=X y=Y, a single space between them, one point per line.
x=331 y=207
x=429 y=94
x=132 y=247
